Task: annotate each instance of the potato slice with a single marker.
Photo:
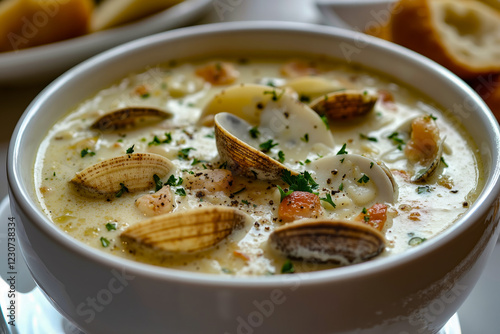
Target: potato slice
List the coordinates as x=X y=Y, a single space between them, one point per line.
x=115 y=12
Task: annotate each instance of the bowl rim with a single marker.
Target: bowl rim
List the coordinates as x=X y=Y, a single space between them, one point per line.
x=22 y=196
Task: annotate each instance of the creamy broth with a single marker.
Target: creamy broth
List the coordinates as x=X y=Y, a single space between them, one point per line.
x=421 y=209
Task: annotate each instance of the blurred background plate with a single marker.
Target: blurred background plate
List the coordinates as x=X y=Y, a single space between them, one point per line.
x=43 y=63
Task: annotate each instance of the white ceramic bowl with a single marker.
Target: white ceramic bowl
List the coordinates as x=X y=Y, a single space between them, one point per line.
x=417 y=291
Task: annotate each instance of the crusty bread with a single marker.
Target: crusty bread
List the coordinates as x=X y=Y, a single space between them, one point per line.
x=462 y=35
x=27 y=23
x=111 y=13
x=488 y=87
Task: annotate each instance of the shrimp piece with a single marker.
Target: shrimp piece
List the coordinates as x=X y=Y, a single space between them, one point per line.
x=210 y=181
x=298 y=205
x=375 y=216
x=424 y=143
x=218 y=73
x=156 y=204
x=299 y=68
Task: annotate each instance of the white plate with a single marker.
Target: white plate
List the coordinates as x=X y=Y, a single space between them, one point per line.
x=45 y=62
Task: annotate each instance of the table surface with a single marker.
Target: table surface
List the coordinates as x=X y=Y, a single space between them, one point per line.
x=479 y=312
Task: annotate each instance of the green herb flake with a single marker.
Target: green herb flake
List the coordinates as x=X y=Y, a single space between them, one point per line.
x=281 y=156
x=364 y=211
x=254 y=132
x=416 y=241
x=283 y=194
x=366 y=218
x=304 y=98
x=239 y=191
x=371 y=165
x=341 y=187
x=444 y=162
x=173 y=181
x=155 y=141
x=223 y=165
x=180 y=192
x=301 y=182
x=287 y=268
x=130 y=150
x=342 y=150
x=105 y=242
x=184 y=153
x=158 y=183
x=123 y=190
x=423 y=189
x=145 y=95
x=395 y=138
x=267 y=146
x=210 y=135
x=328 y=199
x=325 y=120
x=245 y=202
x=85 y=152
x=111 y=226
x=364 y=179
x=363 y=136
x=431 y=116
x=275 y=96
x=305 y=139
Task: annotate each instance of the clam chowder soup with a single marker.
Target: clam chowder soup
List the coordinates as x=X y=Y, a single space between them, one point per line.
x=256 y=167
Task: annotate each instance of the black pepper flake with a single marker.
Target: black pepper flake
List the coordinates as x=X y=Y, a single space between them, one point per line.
x=260 y=106
x=454 y=191
x=271 y=202
x=465 y=204
x=234 y=203
x=286 y=114
x=335 y=172
x=328 y=181
x=200 y=194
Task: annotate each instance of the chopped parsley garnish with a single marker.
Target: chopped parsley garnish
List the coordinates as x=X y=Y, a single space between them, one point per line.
x=184 y=153
x=328 y=199
x=431 y=116
x=363 y=136
x=130 y=150
x=173 y=181
x=371 y=165
x=267 y=146
x=223 y=165
x=364 y=211
x=245 y=202
x=105 y=242
x=145 y=95
x=239 y=191
x=123 y=189
x=395 y=138
x=325 y=120
x=274 y=97
x=342 y=160
x=180 y=192
x=342 y=150
x=444 y=162
x=111 y=226
x=301 y=182
x=341 y=187
x=423 y=189
x=210 y=135
x=157 y=141
x=416 y=241
x=305 y=139
x=254 y=132
x=196 y=161
x=283 y=194
x=366 y=218
x=304 y=98
x=158 y=183
x=287 y=268
x=85 y=152
x=364 y=179
x=281 y=156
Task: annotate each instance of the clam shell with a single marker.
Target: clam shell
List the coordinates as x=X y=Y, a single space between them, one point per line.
x=189 y=231
x=134 y=170
x=425 y=172
x=240 y=156
x=333 y=241
x=344 y=105
x=129 y=117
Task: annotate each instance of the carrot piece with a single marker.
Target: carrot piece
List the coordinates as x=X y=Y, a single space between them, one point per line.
x=375 y=216
x=218 y=73
x=299 y=204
